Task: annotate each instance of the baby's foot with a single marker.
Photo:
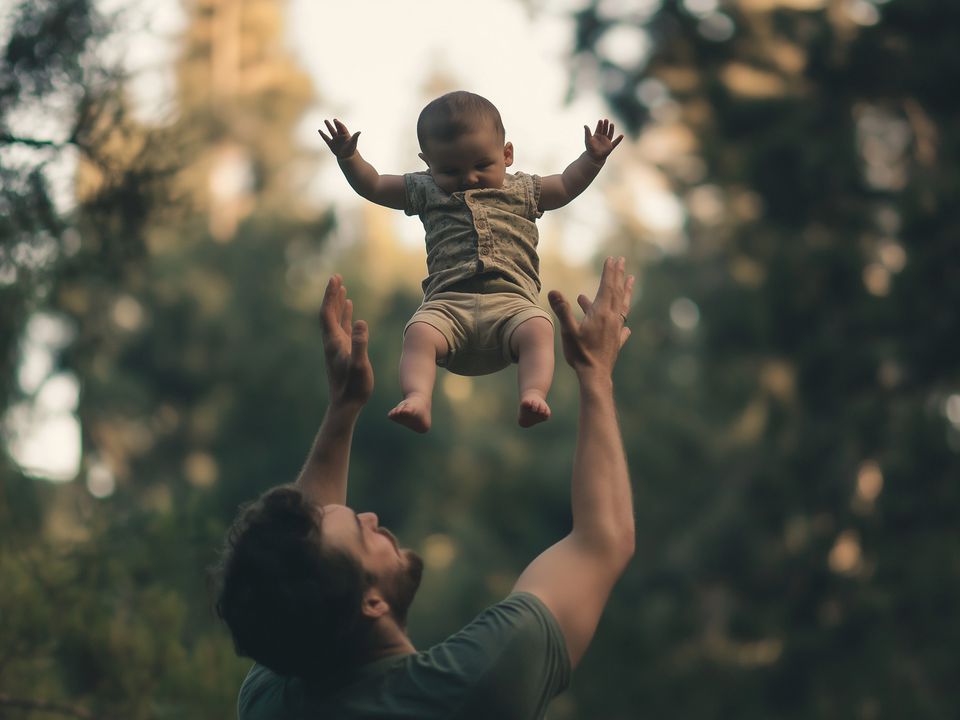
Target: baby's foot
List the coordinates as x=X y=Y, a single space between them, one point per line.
x=533 y=409
x=412 y=412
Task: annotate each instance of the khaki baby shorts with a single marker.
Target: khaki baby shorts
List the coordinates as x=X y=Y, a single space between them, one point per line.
x=477 y=327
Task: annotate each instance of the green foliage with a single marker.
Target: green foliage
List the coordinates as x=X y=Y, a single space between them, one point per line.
x=821 y=362
x=774 y=577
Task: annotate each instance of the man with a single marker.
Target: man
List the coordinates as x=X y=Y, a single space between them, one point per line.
x=318 y=595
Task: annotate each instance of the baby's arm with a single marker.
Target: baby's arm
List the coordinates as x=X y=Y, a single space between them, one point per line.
x=386 y=190
x=557 y=190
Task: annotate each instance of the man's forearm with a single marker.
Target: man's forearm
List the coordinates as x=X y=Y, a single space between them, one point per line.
x=579 y=174
x=324 y=475
x=601 y=495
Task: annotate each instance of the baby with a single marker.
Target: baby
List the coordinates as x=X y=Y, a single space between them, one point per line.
x=479 y=311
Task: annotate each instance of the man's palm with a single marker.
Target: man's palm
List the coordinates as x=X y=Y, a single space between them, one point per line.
x=349 y=372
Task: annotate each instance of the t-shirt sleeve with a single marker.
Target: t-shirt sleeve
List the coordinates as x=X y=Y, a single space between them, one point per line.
x=264 y=695
x=515 y=657
x=415 y=185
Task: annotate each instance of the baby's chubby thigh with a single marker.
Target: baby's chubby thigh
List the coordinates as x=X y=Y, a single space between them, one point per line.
x=518 y=325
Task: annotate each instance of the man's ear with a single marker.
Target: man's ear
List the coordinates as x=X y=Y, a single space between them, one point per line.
x=508 y=154
x=424 y=158
x=374 y=606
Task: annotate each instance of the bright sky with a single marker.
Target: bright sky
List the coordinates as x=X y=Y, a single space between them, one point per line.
x=371 y=60
x=372 y=74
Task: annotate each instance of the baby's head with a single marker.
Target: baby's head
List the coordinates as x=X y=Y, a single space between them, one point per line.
x=462 y=142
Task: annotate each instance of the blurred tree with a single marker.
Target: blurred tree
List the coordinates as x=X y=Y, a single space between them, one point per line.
x=790 y=396
x=793 y=381
x=191 y=349
x=56 y=96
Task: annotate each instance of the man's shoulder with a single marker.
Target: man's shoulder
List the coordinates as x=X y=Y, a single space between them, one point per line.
x=520 y=623
x=264 y=694
x=509 y=661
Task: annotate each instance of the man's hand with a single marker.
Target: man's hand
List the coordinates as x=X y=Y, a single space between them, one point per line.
x=323 y=478
x=349 y=373
x=595 y=342
x=600 y=142
x=341 y=142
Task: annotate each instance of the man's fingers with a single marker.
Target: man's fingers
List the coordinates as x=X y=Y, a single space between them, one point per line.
x=328 y=311
x=359 y=338
x=562 y=310
x=346 y=315
x=624 y=335
x=617 y=141
x=611 y=283
x=584 y=302
x=628 y=293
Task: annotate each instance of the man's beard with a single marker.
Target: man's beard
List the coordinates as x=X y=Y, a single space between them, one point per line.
x=400 y=592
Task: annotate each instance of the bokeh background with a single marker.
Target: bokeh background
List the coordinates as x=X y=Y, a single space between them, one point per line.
x=790 y=397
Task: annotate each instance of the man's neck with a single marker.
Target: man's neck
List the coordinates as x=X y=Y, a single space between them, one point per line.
x=388 y=639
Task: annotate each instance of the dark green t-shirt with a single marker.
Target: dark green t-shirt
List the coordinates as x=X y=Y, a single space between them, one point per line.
x=507 y=664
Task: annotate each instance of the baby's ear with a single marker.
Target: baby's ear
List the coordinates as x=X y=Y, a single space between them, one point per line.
x=424 y=158
x=508 y=154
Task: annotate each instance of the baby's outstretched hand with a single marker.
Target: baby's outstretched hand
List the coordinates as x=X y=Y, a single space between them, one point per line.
x=341 y=142
x=600 y=142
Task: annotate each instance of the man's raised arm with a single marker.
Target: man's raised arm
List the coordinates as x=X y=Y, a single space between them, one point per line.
x=323 y=478
x=574 y=577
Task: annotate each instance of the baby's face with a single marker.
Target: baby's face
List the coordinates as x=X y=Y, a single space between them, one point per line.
x=475 y=159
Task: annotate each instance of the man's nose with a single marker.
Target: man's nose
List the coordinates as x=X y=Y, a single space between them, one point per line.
x=370 y=518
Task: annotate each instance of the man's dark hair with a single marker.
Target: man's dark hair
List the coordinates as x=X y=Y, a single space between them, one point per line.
x=291 y=604
x=453 y=114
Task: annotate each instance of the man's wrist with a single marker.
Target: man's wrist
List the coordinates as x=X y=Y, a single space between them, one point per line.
x=342 y=410
x=594 y=379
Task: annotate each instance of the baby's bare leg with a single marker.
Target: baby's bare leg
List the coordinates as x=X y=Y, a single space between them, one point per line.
x=423 y=346
x=532 y=343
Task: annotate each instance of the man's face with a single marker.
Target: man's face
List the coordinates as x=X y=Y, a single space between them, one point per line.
x=396 y=571
x=475 y=159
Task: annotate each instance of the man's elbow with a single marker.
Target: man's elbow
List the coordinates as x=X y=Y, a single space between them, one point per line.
x=616 y=544
x=625 y=544
x=630 y=545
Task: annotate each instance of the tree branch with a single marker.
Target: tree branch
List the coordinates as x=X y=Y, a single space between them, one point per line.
x=7 y=139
